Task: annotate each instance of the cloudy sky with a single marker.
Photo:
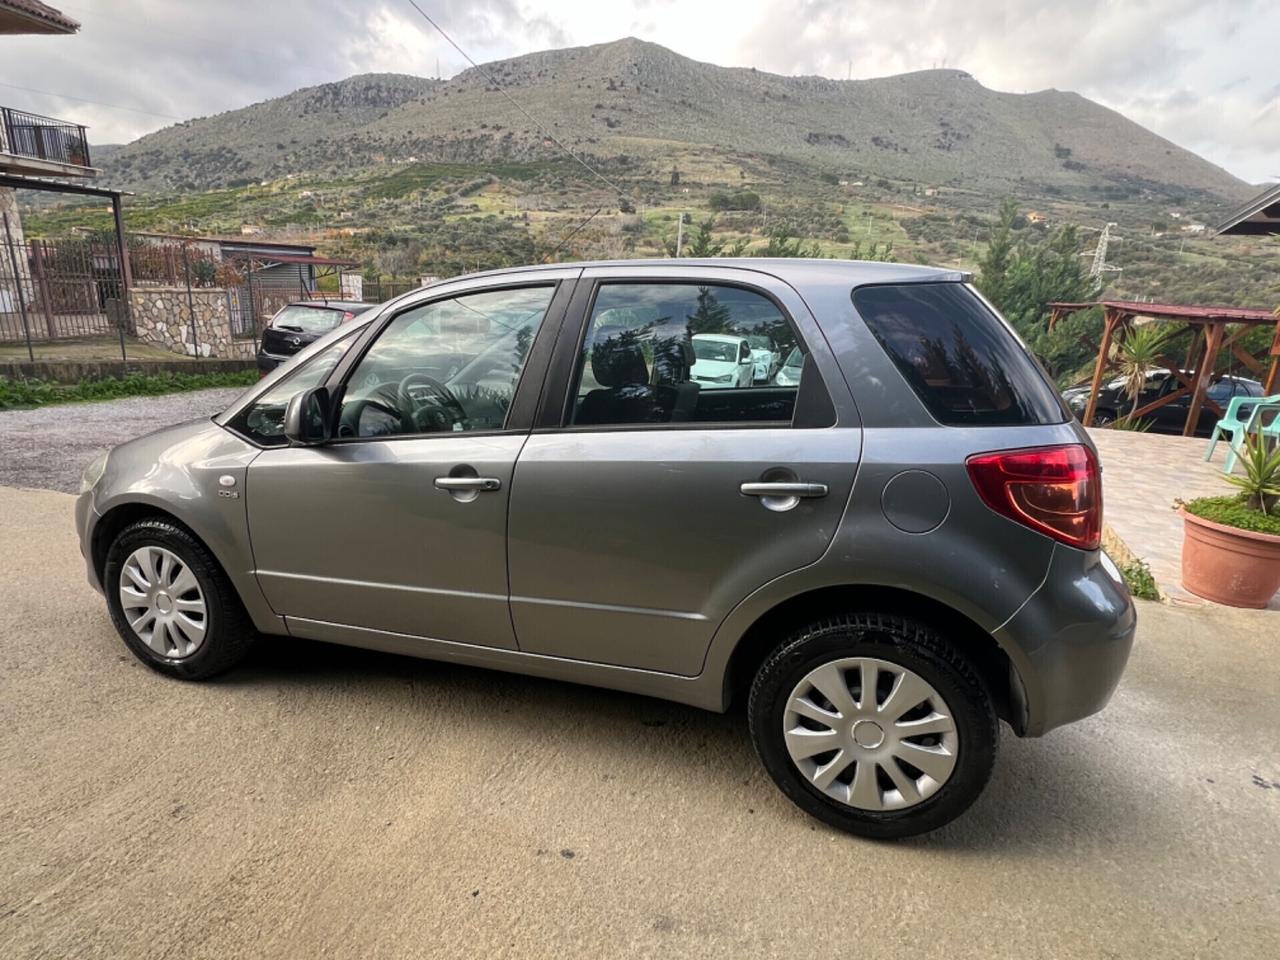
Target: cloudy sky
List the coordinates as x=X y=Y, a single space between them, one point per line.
x=1203 y=73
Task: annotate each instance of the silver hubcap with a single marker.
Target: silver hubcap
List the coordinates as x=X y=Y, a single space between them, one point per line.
x=162 y=601
x=870 y=734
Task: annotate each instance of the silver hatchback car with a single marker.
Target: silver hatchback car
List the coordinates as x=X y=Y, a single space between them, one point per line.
x=883 y=549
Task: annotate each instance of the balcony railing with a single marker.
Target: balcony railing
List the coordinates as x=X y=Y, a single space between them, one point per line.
x=42 y=138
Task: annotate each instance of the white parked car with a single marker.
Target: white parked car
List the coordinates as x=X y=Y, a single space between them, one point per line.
x=722 y=360
x=765 y=355
x=789 y=375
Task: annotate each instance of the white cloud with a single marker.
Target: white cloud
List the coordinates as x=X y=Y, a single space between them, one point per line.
x=1202 y=73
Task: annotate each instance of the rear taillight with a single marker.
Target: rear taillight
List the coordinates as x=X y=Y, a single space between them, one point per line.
x=348 y=315
x=1056 y=490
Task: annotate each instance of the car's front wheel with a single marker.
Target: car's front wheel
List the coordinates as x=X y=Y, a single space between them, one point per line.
x=172 y=604
x=874 y=724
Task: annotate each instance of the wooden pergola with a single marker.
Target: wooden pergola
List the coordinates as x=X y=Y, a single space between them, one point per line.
x=1208 y=338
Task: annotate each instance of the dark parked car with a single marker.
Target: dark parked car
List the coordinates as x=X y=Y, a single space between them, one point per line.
x=1114 y=403
x=882 y=556
x=297 y=325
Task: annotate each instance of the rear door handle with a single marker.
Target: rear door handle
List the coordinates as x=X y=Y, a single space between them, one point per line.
x=468 y=483
x=783 y=489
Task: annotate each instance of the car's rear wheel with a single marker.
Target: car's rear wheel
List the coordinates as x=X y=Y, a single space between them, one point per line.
x=172 y=604
x=874 y=724
x=1104 y=418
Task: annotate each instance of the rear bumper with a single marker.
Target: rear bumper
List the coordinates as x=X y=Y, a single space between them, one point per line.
x=1070 y=641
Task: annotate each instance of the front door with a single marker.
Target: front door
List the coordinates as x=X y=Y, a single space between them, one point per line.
x=657 y=502
x=399 y=524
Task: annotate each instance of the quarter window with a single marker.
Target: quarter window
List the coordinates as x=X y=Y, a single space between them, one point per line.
x=685 y=353
x=447 y=366
x=966 y=367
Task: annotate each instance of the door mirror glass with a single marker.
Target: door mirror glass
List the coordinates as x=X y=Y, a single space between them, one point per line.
x=306 y=418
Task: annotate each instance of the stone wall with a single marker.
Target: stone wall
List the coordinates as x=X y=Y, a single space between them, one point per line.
x=161 y=316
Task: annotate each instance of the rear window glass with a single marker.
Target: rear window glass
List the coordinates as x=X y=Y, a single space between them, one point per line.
x=960 y=359
x=307 y=319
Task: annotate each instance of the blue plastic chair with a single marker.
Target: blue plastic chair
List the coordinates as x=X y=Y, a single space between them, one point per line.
x=1239 y=426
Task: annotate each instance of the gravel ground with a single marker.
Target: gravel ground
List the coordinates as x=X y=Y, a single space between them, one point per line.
x=323 y=801
x=49 y=447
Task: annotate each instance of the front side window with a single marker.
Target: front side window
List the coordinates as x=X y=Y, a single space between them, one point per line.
x=685 y=353
x=447 y=366
x=263 y=420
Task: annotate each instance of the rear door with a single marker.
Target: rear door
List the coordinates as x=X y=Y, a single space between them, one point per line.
x=645 y=506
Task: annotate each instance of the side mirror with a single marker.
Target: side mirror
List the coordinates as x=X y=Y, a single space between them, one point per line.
x=306 y=418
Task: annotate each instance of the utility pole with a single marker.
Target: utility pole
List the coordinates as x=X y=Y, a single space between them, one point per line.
x=680 y=235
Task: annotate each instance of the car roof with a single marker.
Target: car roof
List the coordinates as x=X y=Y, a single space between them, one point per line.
x=799 y=270
x=723 y=337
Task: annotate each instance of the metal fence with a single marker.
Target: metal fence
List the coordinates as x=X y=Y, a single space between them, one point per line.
x=59 y=289
x=43 y=138
x=376 y=291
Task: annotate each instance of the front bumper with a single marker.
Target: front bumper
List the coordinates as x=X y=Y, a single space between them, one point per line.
x=1069 y=642
x=86 y=519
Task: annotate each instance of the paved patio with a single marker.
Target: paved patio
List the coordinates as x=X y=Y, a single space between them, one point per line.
x=1142 y=475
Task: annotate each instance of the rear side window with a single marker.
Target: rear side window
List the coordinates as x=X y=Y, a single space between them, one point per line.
x=307 y=319
x=966 y=367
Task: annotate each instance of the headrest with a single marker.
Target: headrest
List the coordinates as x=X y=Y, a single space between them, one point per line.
x=673 y=357
x=618 y=364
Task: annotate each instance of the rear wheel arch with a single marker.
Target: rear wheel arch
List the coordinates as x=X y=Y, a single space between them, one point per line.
x=978 y=646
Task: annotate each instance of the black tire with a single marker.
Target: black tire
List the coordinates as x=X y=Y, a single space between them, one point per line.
x=1104 y=418
x=906 y=643
x=229 y=632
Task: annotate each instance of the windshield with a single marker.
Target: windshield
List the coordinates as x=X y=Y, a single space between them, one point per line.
x=795 y=358
x=715 y=350
x=304 y=319
x=760 y=343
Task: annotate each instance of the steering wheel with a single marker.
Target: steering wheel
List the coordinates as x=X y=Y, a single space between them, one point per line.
x=352 y=413
x=429 y=417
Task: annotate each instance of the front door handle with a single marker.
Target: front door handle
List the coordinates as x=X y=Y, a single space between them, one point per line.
x=468 y=483
x=781 y=489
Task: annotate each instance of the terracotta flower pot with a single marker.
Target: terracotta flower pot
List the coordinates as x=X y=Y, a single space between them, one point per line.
x=1229 y=565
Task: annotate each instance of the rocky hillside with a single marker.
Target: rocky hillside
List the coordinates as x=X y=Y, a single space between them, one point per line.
x=305 y=130
x=630 y=97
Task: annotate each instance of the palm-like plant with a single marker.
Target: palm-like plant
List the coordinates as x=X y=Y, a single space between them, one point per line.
x=1138 y=356
x=1261 y=481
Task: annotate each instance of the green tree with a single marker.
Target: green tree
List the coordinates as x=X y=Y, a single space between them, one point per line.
x=1021 y=278
x=711 y=316
x=784 y=243
x=993 y=268
x=701 y=243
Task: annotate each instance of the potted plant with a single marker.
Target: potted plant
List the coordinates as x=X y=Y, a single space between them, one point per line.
x=1231 y=544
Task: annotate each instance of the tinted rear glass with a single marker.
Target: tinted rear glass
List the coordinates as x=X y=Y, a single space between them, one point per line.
x=959 y=358
x=307 y=319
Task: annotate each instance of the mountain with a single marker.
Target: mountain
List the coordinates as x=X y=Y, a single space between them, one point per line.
x=261 y=141
x=939 y=127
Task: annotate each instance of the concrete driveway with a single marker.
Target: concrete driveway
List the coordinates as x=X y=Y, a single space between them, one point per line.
x=324 y=801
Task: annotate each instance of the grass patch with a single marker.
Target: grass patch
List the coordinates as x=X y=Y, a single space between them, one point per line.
x=40 y=393
x=1138 y=578
x=1232 y=511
